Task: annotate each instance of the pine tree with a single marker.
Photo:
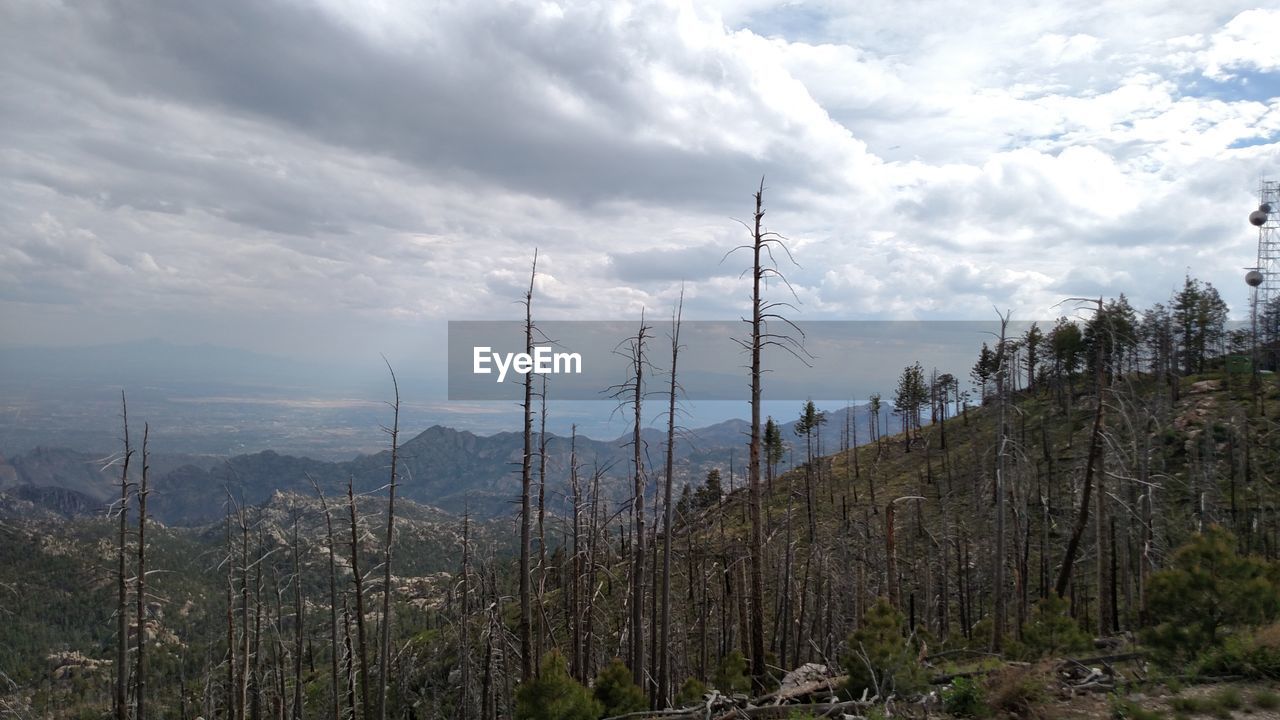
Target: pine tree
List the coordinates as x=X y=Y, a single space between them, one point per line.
x=1208 y=588
x=879 y=659
x=731 y=675
x=616 y=692
x=554 y=695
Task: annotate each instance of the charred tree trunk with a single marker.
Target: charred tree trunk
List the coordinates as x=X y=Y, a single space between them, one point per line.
x=384 y=651
x=334 y=704
x=358 y=580
x=664 y=645
x=526 y=481
x=122 y=592
x=140 y=688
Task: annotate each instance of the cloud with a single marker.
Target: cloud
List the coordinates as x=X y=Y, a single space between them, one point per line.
x=304 y=173
x=1244 y=43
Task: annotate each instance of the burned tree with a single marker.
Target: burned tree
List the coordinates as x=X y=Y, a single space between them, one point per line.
x=763 y=267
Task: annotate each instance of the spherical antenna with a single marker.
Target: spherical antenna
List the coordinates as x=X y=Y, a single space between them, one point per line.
x=1253 y=278
x=1258 y=217
x=1265 y=207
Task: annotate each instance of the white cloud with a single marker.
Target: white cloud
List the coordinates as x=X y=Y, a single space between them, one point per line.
x=1247 y=42
x=384 y=164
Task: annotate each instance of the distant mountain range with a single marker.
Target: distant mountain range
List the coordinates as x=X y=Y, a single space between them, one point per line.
x=441 y=467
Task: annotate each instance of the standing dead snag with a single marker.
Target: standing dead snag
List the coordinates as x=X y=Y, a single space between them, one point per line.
x=299 y=622
x=358 y=580
x=539 y=630
x=632 y=392
x=575 y=564
x=464 y=632
x=1002 y=378
x=140 y=687
x=384 y=652
x=122 y=610
x=1091 y=468
x=763 y=267
x=664 y=644
x=334 y=705
x=526 y=479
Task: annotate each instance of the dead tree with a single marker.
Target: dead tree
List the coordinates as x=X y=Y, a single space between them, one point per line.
x=358 y=580
x=464 y=634
x=526 y=480
x=140 y=687
x=299 y=623
x=231 y=622
x=539 y=630
x=334 y=704
x=664 y=643
x=763 y=267
x=999 y=613
x=122 y=609
x=1091 y=468
x=631 y=393
x=575 y=565
x=384 y=652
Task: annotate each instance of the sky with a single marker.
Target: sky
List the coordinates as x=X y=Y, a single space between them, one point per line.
x=339 y=178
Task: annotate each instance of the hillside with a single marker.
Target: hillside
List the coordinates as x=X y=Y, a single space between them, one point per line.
x=454 y=470
x=908 y=521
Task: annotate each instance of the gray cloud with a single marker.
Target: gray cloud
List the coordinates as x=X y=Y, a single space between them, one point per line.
x=263 y=171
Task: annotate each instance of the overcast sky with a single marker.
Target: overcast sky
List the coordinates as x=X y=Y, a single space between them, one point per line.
x=338 y=178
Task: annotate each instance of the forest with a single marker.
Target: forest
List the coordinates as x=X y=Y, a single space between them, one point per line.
x=1084 y=520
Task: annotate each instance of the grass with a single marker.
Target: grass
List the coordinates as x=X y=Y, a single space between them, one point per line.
x=1266 y=700
x=1219 y=704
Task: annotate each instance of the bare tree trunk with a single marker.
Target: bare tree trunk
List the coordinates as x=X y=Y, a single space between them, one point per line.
x=663 y=647
x=349 y=656
x=334 y=704
x=575 y=566
x=1082 y=516
x=299 y=623
x=245 y=635
x=384 y=652
x=540 y=631
x=122 y=608
x=526 y=480
x=756 y=545
x=363 y=647
x=231 y=623
x=140 y=689
x=464 y=635
x=1000 y=613
x=637 y=509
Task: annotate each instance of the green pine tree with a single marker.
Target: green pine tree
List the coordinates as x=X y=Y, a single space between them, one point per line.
x=879 y=659
x=616 y=691
x=554 y=695
x=731 y=676
x=1052 y=631
x=1208 y=590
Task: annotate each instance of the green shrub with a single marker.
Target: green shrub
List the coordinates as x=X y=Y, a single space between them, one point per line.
x=1256 y=656
x=1207 y=590
x=1218 y=705
x=1229 y=698
x=879 y=659
x=1266 y=700
x=1052 y=631
x=554 y=695
x=691 y=693
x=731 y=677
x=617 y=692
x=964 y=698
